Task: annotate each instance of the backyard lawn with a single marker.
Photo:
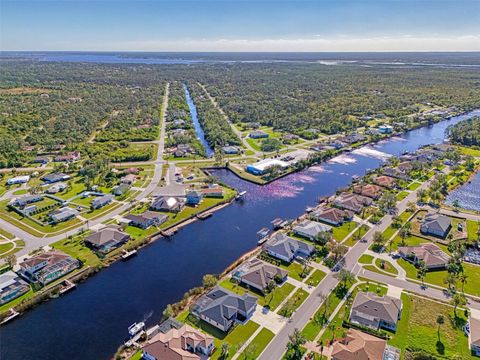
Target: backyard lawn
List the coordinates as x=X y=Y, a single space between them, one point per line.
x=417 y=329
x=75 y=248
x=359 y=233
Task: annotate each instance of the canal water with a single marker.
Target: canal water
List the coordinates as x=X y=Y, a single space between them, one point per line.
x=196 y=124
x=90 y=322
x=467 y=195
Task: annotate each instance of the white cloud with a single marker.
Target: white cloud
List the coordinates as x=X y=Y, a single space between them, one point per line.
x=401 y=43
x=314 y=44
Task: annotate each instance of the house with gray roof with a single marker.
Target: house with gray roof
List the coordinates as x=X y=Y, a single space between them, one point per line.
x=102 y=201
x=310 y=229
x=376 y=312
x=107 y=239
x=121 y=189
x=222 y=308
x=285 y=248
x=258 y=274
x=62 y=214
x=25 y=200
x=168 y=203
x=55 y=177
x=437 y=225
x=146 y=219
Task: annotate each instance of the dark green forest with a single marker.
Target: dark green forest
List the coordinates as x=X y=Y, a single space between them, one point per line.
x=466 y=132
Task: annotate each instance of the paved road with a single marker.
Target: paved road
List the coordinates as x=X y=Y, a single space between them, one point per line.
x=299 y=319
x=430 y=292
x=33 y=242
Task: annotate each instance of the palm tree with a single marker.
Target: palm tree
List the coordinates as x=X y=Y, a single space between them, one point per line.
x=463 y=279
x=225 y=350
x=457 y=300
x=422 y=271
x=440 y=321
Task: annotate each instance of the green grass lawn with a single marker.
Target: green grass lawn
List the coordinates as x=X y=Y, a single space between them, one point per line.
x=402 y=195
x=4 y=248
x=272 y=299
x=472 y=229
x=341 y=232
x=20 y=192
x=293 y=303
x=387 y=266
x=6 y=234
x=16 y=301
x=417 y=329
x=360 y=232
x=257 y=345
x=409 y=241
x=315 y=278
x=472 y=286
x=414 y=186
x=76 y=248
x=365 y=259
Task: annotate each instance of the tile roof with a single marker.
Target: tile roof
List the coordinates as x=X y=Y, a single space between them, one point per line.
x=429 y=253
x=359 y=346
x=261 y=273
x=385 y=308
x=286 y=246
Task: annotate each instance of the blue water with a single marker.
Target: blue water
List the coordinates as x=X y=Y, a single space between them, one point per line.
x=468 y=195
x=196 y=124
x=90 y=322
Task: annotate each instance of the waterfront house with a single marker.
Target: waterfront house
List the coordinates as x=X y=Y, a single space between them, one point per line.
x=56 y=188
x=261 y=167
x=222 y=308
x=128 y=179
x=432 y=256
x=357 y=345
x=63 y=214
x=405 y=167
x=107 y=239
x=168 y=203
x=213 y=192
x=395 y=173
x=437 y=225
x=258 y=275
x=385 y=129
x=11 y=287
x=369 y=190
x=177 y=341
x=310 y=229
x=385 y=181
x=18 y=180
x=474 y=336
x=352 y=202
x=145 y=220
x=285 y=248
x=352 y=138
x=230 y=150
x=376 y=312
x=25 y=200
x=258 y=134
x=194 y=197
x=102 y=201
x=121 y=189
x=333 y=216
x=48 y=266
x=55 y=177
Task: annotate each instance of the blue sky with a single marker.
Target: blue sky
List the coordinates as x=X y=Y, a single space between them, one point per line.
x=240 y=25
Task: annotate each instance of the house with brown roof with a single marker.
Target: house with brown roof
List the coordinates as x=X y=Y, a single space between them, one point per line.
x=48 y=266
x=333 y=216
x=358 y=345
x=376 y=312
x=369 y=190
x=128 y=179
x=352 y=202
x=178 y=342
x=430 y=254
x=385 y=181
x=474 y=336
x=258 y=274
x=213 y=192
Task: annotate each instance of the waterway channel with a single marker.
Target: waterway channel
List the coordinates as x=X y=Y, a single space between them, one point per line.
x=196 y=124
x=90 y=322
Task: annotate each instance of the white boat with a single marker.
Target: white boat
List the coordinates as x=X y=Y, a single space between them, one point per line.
x=135 y=328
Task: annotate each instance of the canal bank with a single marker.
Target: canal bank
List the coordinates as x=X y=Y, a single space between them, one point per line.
x=91 y=321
